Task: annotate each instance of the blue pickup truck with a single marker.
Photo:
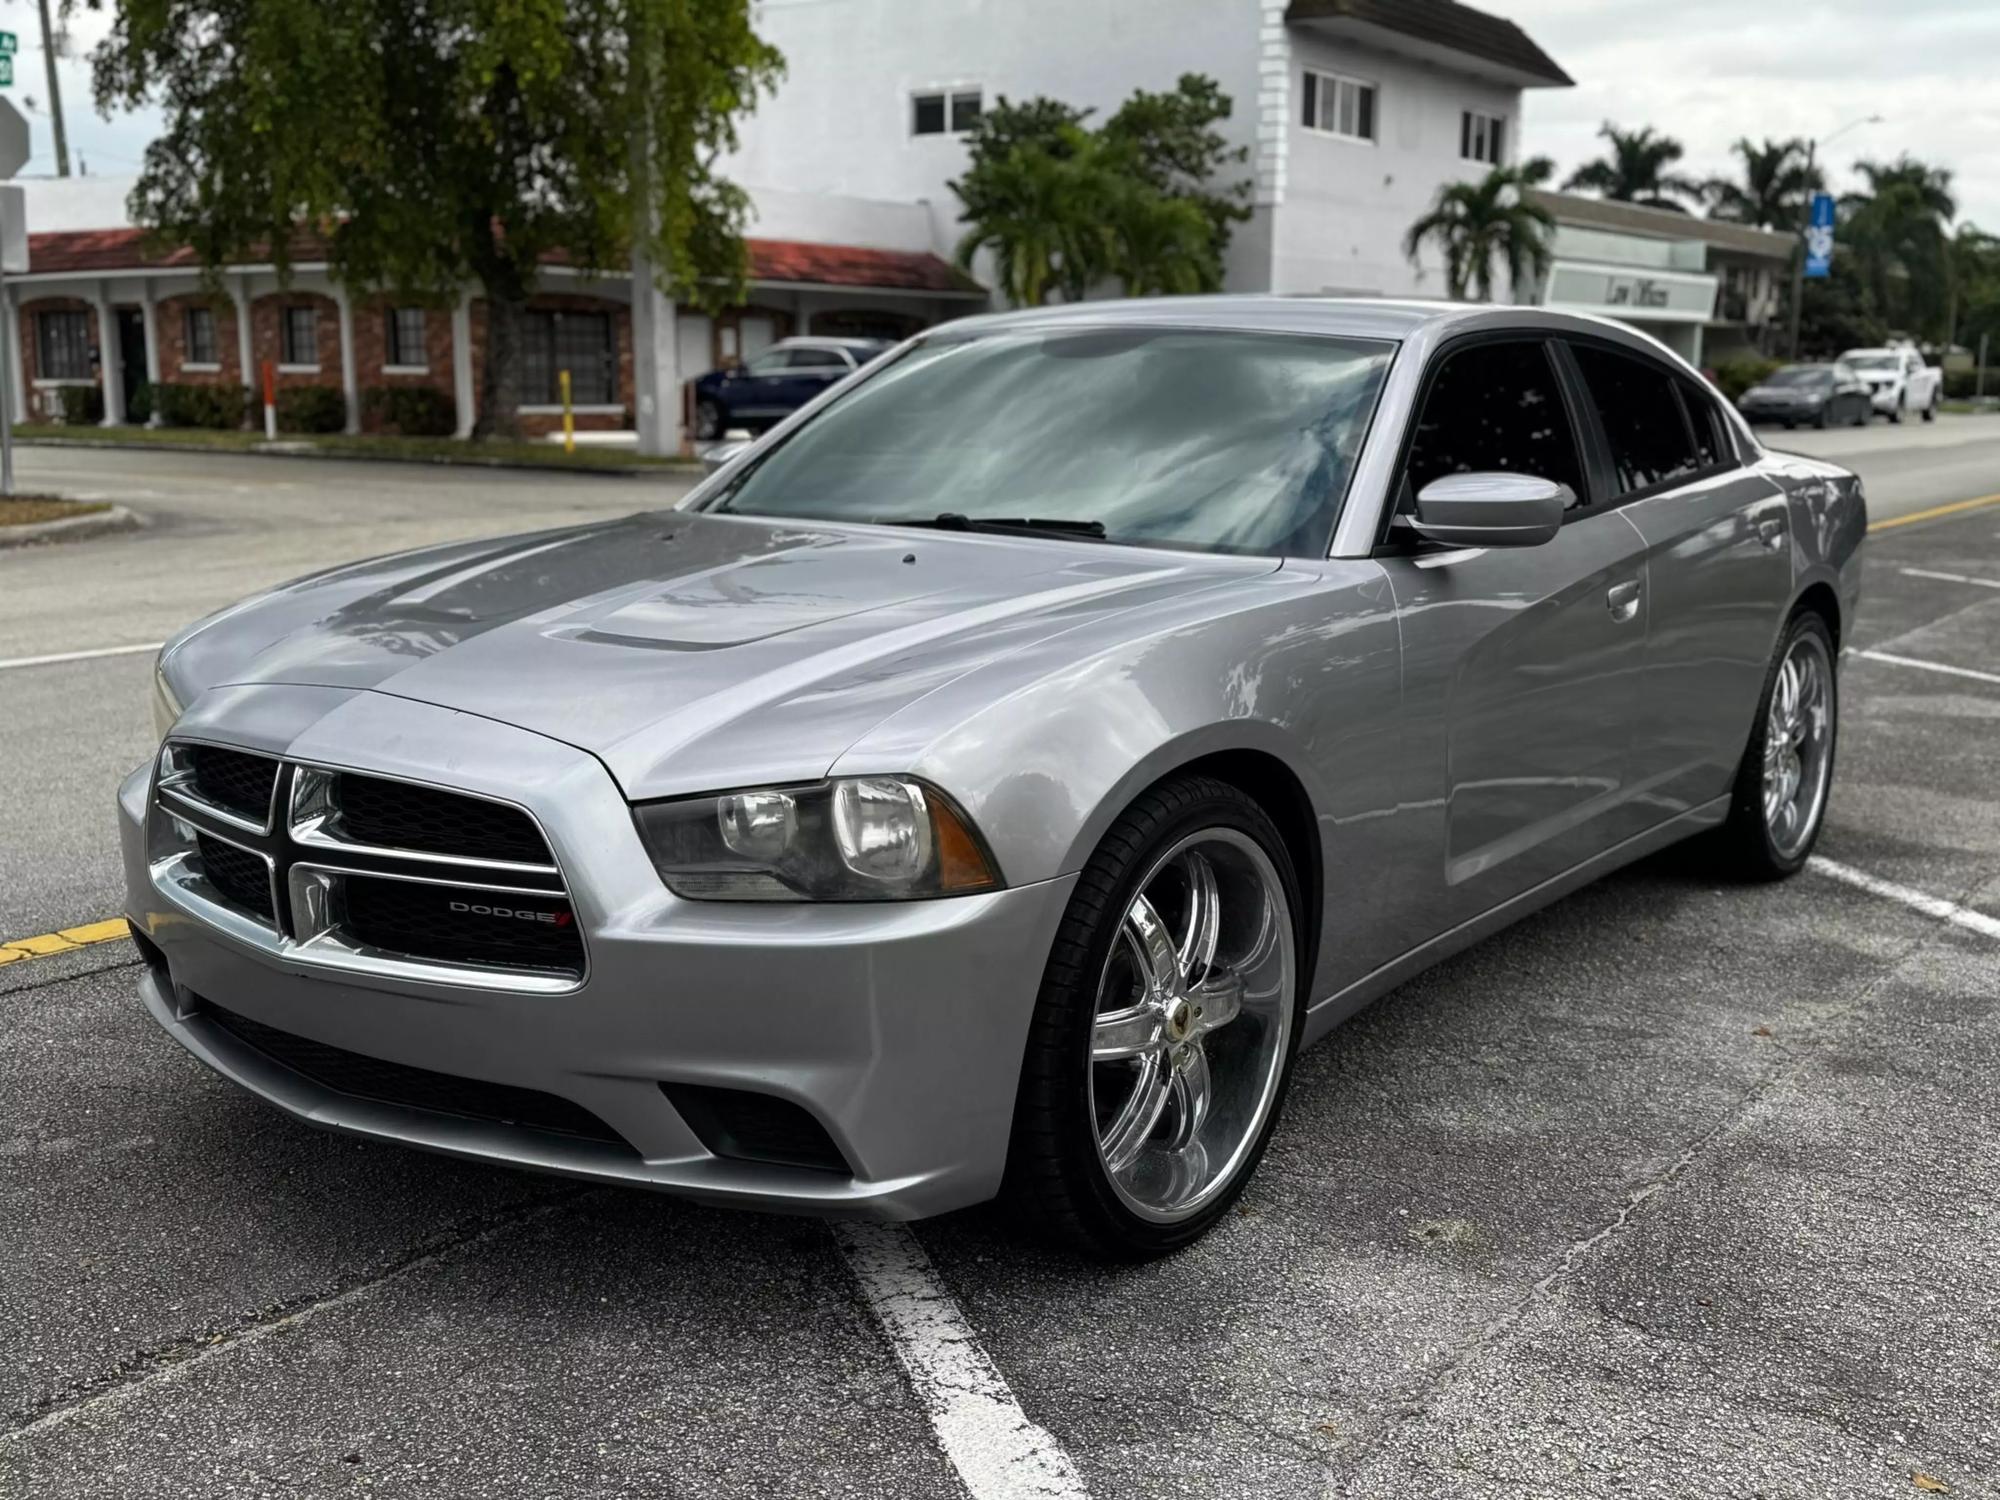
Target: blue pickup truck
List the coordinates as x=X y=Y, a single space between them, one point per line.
x=776 y=383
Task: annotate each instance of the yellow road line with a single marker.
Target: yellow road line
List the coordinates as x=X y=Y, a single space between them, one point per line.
x=66 y=941
x=1935 y=511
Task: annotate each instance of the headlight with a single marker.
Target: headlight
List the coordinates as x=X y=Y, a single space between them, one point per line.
x=166 y=706
x=864 y=838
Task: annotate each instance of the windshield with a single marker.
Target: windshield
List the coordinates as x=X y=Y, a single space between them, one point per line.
x=1873 y=361
x=1801 y=375
x=1216 y=440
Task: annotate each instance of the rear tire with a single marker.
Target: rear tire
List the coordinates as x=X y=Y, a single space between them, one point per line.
x=708 y=421
x=1140 y=1115
x=1778 y=805
x=1931 y=411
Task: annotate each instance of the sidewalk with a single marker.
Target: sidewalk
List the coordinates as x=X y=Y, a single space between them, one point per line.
x=599 y=457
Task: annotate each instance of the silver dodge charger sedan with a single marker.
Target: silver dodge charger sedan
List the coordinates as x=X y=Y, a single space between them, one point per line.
x=989 y=781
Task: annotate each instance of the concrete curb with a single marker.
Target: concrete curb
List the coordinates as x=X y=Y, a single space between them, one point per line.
x=72 y=528
x=306 y=449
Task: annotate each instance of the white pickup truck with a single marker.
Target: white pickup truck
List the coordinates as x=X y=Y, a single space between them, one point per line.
x=1898 y=381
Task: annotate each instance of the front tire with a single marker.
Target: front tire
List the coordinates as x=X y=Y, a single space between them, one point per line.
x=708 y=421
x=1779 y=802
x=1163 y=1037
x=1896 y=411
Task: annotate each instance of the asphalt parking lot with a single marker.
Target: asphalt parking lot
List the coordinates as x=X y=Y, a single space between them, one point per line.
x=1679 y=1188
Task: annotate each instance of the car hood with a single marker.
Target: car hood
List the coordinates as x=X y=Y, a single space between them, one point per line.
x=687 y=651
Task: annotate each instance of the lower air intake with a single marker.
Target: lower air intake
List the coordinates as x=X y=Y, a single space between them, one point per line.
x=743 y=1126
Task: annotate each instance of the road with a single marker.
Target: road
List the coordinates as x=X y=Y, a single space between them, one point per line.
x=1678 y=1188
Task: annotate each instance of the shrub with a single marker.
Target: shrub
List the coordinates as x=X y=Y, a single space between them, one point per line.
x=82 y=405
x=1960 y=384
x=1735 y=376
x=139 y=410
x=311 y=408
x=412 y=410
x=217 y=406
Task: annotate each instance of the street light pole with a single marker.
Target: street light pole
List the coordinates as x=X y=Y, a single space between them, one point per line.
x=1805 y=221
x=55 y=93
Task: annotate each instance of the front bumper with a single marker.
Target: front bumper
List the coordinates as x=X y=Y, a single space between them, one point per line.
x=898 y=1028
x=1885 y=398
x=1780 y=411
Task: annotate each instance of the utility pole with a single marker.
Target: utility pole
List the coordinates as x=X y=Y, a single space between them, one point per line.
x=55 y=93
x=1805 y=221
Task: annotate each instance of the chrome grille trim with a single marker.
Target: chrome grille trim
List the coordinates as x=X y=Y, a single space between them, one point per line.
x=176 y=778
x=308 y=864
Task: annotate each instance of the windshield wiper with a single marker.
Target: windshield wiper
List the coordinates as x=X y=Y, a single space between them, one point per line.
x=951 y=520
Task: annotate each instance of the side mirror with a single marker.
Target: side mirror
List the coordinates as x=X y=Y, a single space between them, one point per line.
x=1491 y=510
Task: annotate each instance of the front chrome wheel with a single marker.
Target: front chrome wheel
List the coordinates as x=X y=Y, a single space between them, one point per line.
x=1192 y=1024
x=1798 y=745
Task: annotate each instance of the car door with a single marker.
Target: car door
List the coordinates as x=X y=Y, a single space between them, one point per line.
x=812 y=371
x=763 y=386
x=1521 y=665
x=1718 y=567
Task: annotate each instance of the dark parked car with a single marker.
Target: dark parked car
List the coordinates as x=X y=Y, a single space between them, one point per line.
x=1824 y=395
x=776 y=383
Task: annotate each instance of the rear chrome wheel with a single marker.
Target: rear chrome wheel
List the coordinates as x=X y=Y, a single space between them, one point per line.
x=1786 y=775
x=1161 y=1042
x=1798 y=744
x=1193 y=1021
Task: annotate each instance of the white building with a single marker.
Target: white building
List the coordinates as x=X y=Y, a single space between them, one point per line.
x=1354 y=112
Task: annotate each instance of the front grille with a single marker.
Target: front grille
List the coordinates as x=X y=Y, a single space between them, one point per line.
x=414 y=1088
x=463 y=925
x=427 y=820
x=240 y=877
x=234 y=781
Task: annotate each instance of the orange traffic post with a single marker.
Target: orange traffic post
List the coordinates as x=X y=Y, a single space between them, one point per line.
x=270 y=402
x=569 y=416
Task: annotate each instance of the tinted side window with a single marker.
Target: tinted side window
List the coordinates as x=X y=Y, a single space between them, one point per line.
x=1711 y=444
x=1635 y=401
x=1495 y=407
x=812 y=359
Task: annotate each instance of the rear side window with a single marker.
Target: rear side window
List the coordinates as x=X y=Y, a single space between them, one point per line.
x=1711 y=444
x=1650 y=442
x=1494 y=408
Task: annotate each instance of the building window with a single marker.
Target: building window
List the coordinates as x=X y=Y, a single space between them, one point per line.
x=1339 y=106
x=944 y=113
x=198 y=336
x=406 y=338
x=1481 y=137
x=583 y=343
x=62 y=345
x=298 y=336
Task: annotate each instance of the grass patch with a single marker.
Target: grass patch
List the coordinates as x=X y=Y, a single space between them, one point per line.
x=361 y=446
x=26 y=510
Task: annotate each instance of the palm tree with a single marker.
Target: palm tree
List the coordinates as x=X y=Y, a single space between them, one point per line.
x=1039 y=213
x=1898 y=233
x=1635 y=170
x=1777 y=180
x=1475 y=223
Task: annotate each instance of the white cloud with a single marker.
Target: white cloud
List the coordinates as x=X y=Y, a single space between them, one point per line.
x=1709 y=71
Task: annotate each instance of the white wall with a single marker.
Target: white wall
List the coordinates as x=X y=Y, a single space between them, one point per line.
x=840 y=122
x=1348 y=204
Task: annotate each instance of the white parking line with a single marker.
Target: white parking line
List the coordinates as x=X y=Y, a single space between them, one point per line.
x=1984 y=583
x=1930 y=666
x=1929 y=905
x=997 y=1451
x=63 y=656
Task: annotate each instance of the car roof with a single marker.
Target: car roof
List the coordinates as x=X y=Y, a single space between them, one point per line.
x=814 y=341
x=1395 y=319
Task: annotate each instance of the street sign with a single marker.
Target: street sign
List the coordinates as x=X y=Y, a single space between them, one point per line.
x=6 y=72
x=1819 y=236
x=13 y=139
x=8 y=42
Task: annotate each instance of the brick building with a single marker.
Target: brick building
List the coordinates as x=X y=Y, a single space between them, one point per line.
x=97 y=308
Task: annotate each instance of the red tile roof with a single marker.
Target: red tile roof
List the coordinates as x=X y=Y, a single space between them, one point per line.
x=101 y=251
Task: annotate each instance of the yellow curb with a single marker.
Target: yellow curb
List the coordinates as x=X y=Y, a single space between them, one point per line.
x=1935 y=511
x=66 y=941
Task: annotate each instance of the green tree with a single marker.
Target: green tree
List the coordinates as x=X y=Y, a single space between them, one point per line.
x=1898 y=236
x=1635 y=170
x=436 y=142
x=1773 y=190
x=1474 y=224
x=1063 y=206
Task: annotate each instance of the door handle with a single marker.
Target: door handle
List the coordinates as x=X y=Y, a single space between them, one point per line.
x=1623 y=599
x=1771 y=531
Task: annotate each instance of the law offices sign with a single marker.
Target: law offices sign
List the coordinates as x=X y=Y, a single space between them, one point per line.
x=1640 y=294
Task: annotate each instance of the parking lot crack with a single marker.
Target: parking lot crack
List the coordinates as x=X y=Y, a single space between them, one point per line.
x=1410 y=1399
x=146 y=1369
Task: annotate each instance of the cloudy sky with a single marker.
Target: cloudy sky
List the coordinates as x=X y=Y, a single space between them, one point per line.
x=1706 y=71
